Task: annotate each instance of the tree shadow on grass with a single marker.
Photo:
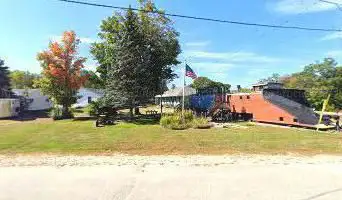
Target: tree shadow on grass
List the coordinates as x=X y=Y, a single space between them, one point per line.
x=146 y=121
x=137 y=120
x=32 y=115
x=141 y=119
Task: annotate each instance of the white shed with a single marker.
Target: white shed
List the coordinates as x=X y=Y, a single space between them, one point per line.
x=38 y=100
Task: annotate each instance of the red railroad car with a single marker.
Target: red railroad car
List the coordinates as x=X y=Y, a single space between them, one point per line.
x=271 y=103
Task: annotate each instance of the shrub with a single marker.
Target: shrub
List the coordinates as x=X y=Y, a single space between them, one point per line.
x=56 y=114
x=94 y=108
x=250 y=124
x=180 y=126
x=188 y=116
x=201 y=123
x=175 y=121
x=165 y=121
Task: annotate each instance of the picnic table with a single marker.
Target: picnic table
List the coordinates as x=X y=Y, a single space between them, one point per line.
x=151 y=112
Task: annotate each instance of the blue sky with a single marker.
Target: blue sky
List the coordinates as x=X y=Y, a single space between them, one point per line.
x=223 y=52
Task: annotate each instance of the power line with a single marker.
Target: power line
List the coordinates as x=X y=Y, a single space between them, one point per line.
x=205 y=19
x=333 y=3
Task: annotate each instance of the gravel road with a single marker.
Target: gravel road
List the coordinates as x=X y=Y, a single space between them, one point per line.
x=170 y=177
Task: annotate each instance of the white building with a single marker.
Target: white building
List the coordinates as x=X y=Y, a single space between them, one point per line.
x=37 y=99
x=86 y=96
x=9 y=108
x=42 y=102
x=174 y=97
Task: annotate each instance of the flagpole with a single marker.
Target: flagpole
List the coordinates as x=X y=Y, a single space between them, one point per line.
x=184 y=73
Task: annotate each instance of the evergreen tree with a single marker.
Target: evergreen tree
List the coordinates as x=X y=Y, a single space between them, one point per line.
x=136 y=56
x=125 y=79
x=4 y=79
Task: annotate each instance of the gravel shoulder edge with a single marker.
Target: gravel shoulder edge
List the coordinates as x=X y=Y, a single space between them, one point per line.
x=198 y=160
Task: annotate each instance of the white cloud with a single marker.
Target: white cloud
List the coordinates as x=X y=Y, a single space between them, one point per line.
x=212 y=68
x=304 y=6
x=212 y=65
x=332 y=36
x=232 y=56
x=197 y=44
x=208 y=67
x=87 y=40
x=217 y=71
x=84 y=40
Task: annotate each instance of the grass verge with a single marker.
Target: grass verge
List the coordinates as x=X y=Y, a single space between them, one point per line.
x=82 y=137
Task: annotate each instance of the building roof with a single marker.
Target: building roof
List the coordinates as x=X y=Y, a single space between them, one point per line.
x=81 y=90
x=242 y=94
x=95 y=91
x=178 y=92
x=19 y=91
x=268 y=83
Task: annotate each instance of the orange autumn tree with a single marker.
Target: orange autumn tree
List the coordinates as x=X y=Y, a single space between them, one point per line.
x=62 y=71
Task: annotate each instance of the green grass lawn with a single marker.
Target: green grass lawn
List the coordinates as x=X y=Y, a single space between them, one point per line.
x=82 y=137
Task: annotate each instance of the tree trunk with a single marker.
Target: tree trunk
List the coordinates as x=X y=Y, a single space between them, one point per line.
x=66 y=112
x=161 y=105
x=131 y=114
x=137 y=111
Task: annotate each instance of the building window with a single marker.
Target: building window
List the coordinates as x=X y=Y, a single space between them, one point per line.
x=89 y=100
x=281 y=119
x=295 y=120
x=47 y=100
x=240 y=97
x=248 y=97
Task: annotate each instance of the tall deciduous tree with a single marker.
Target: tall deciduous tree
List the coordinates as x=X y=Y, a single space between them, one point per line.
x=22 y=79
x=4 y=79
x=136 y=55
x=204 y=82
x=319 y=80
x=61 y=76
x=94 y=81
x=273 y=78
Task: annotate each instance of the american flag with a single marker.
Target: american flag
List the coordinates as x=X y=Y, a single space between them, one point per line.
x=189 y=72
